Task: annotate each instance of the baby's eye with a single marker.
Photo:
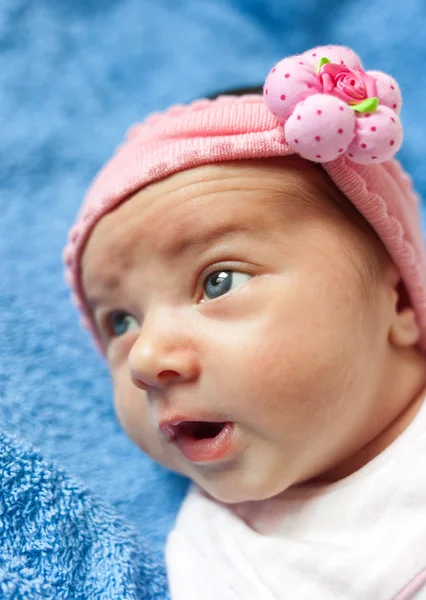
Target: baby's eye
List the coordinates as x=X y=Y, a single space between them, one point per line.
x=220 y=282
x=120 y=322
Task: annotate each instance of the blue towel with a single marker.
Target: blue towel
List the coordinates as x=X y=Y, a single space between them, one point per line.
x=73 y=75
x=57 y=541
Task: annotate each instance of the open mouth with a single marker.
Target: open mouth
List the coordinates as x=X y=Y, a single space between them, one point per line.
x=201 y=441
x=198 y=430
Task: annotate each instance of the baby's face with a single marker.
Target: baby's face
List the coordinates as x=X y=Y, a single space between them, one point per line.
x=244 y=346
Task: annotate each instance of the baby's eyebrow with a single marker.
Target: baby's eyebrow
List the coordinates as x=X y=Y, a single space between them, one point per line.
x=94 y=301
x=274 y=201
x=101 y=282
x=180 y=246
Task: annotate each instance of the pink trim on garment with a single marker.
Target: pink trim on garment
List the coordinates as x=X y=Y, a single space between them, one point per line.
x=413 y=587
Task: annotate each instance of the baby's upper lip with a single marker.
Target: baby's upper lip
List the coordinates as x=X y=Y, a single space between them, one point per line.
x=168 y=425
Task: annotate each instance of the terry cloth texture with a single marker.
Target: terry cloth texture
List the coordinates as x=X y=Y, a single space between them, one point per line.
x=73 y=76
x=58 y=542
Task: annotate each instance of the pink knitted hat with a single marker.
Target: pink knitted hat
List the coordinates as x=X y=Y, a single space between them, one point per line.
x=321 y=105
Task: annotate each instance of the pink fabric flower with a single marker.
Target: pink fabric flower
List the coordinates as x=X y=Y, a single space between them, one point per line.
x=350 y=85
x=330 y=107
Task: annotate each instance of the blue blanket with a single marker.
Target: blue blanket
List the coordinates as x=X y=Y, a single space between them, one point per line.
x=57 y=541
x=73 y=75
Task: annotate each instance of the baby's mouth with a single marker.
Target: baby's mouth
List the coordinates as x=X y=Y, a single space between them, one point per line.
x=201 y=441
x=198 y=430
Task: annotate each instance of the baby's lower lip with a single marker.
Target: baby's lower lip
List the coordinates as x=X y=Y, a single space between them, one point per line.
x=207 y=450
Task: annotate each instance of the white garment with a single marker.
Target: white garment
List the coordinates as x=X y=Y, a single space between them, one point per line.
x=362 y=538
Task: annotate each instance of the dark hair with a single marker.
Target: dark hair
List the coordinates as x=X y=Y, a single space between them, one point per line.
x=242 y=91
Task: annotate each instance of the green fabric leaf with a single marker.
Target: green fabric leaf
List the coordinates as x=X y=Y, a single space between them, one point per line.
x=323 y=61
x=367 y=105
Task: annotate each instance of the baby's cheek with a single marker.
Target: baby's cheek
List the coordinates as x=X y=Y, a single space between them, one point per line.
x=132 y=409
x=293 y=367
x=135 y=416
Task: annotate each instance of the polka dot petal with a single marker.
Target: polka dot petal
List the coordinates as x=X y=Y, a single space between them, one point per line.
x=284 y=93
x=388 y=91
x=378 y=137
x=317 y=131
x=335 y=54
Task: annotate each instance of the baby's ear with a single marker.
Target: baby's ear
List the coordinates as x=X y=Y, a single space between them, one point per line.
x=404 y=331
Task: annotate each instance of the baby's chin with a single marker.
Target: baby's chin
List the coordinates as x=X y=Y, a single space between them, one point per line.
x=238 y=495
x=235 y=481
x=236 y=488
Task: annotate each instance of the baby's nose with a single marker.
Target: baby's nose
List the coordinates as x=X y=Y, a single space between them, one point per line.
x=158 y=361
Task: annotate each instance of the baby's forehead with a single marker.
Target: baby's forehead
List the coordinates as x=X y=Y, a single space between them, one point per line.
x=275 y=183
x=201 y=204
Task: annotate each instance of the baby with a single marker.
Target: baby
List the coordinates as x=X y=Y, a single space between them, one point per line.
x=254 y=272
